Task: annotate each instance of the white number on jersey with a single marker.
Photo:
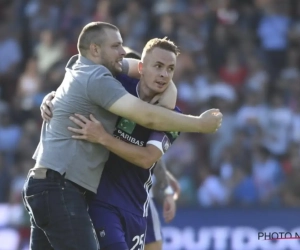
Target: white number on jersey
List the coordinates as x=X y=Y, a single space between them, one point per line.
x=139 y=242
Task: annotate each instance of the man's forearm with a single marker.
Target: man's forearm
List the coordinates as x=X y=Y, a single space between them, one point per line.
x=158 y=118
x=165 y=120
x=136 y=155
x=131 y=67
x=154 y=117
x=169 y=97
x=161 y=176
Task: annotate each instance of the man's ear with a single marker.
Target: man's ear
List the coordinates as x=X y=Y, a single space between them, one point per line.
x=140 y=67
x=94 y=49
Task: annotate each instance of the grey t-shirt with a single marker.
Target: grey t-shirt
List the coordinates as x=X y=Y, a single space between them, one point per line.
x=87 y=88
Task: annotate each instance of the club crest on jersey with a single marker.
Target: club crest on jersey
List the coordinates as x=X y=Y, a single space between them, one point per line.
x=102 y=233
x=174 y=134
x=165 y=143
x=126 y=125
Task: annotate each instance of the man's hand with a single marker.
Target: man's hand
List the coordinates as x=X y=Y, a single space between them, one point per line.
x=169 y=208
x=90 y=130
x=174 y=184
x=210 y=121
x=47 y=107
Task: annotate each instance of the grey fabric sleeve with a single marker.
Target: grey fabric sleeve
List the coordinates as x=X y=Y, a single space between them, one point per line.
x=105 y=90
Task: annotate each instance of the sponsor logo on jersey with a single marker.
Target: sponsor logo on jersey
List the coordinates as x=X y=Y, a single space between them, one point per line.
x=126 y=125
x=125 y=137
x=174 y=134
x=102 y=233
x=165 y=143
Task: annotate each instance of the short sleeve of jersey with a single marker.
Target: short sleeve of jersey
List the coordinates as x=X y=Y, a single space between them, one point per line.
x=163 y=140
x=104 y=90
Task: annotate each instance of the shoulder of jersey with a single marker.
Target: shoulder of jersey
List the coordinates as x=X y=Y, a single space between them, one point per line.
x=127 y=78
x=177 y=109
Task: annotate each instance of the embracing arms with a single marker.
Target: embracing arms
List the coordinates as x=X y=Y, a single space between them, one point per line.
x=93 y=131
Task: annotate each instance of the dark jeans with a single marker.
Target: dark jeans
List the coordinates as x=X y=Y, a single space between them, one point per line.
x=58 y=214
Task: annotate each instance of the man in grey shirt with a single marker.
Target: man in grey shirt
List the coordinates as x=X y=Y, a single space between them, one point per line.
x=66 y=170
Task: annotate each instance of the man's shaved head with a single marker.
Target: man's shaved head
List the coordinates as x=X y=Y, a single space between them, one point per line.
x=93 y=32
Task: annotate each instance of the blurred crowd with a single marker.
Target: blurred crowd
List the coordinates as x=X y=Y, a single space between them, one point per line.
x=241 y=56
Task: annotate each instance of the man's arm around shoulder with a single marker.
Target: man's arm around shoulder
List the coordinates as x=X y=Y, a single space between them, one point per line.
x=162 y=119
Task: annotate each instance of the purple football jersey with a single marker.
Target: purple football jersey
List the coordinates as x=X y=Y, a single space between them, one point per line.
x=123 y=184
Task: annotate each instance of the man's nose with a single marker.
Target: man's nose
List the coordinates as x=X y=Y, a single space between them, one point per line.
x=122 y=52
x=164 y=73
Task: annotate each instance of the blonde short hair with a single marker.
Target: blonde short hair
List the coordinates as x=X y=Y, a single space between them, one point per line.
x=162 y=43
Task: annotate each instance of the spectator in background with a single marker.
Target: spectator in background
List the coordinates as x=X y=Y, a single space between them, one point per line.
x=48 y=51
x=267 y=175
x=295 y=124
x=103 y=11
x=224 y=137
x=133 y=24
x=233 y=72
x=42 y=15
x=212 y=191
x=291 y=187
x=166 y=26
x=291 y=69
x=245 y=192
x=5 y=179
x=183 y=167
x=217 y=46
x=11 y=56
x=29 y=85
x=10 y=50
x=278 y=126
x=257 y=79
x=273 y=33
x=251 y=116
x=10 y=134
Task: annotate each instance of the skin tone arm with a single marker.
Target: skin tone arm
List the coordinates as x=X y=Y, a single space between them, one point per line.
x=157 y=118
x=132 y=65
x=174 y=184
x=163 y=180
x=93 y=131
x=160 y=173
x=169 y=208
x=168 y=98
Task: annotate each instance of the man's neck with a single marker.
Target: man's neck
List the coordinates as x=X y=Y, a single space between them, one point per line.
x=144 y=92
